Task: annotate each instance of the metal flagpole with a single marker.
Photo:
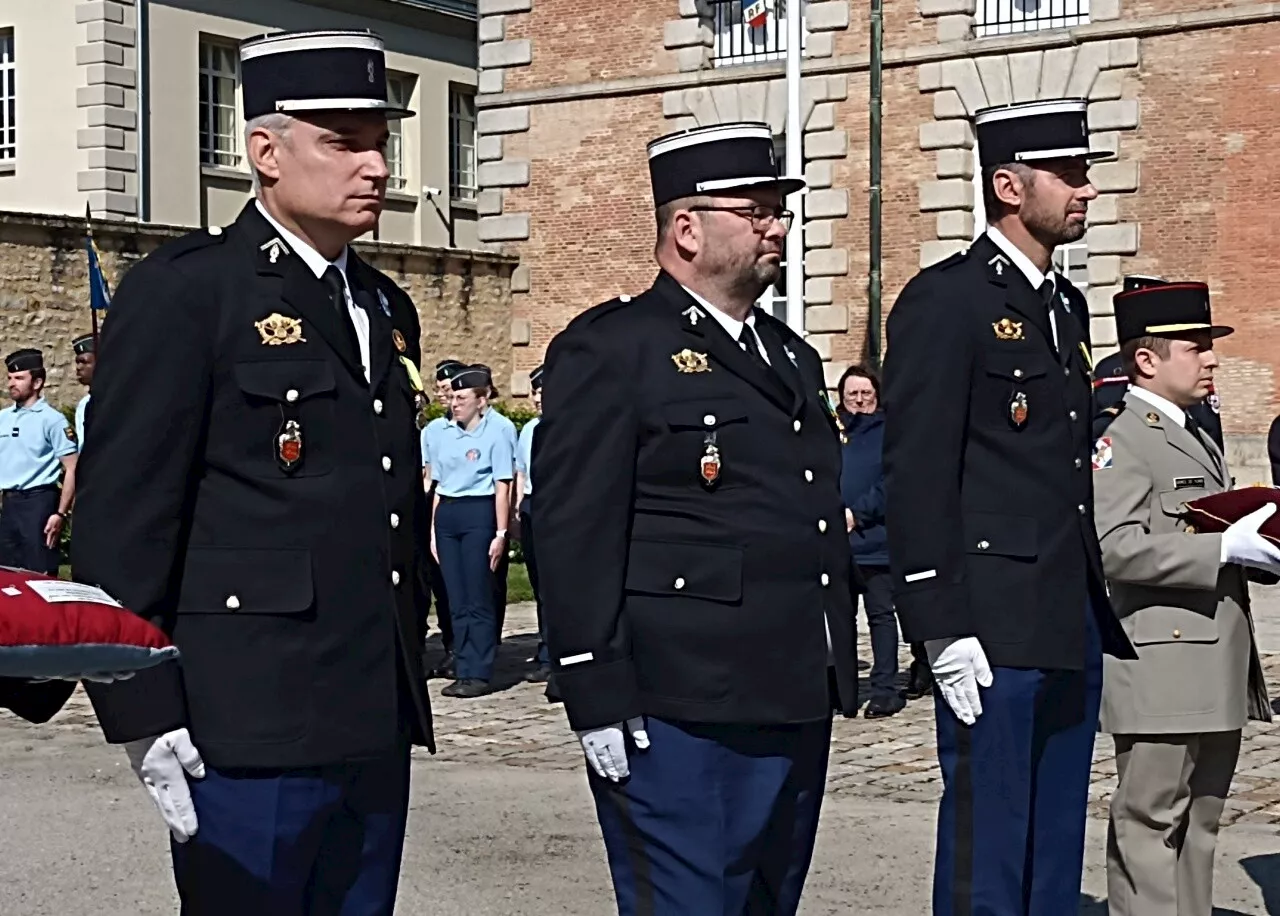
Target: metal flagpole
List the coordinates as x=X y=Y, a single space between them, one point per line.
x=795 y=166
x=93 y=312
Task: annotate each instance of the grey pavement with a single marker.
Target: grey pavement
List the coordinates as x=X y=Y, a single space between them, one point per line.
x=502 y=822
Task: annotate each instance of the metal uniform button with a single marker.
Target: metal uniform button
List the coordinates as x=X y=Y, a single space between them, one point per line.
x=1017 y=373
x=377 y=407
x=233 y=603
x=386 y=463
x=1079 y=464
x=983 y=545
x=826 y=580
x=215 y=230
x=395 y=520
x=1080 y=508
x=624 y=298
x=709 y=419
x=796 y=426
x=1177 y=634
x=1072 y=415
x=395 y=577
x=822 y=525
x=291 y=395
x=808 y=475
x=1066 y=370
x=679 y=583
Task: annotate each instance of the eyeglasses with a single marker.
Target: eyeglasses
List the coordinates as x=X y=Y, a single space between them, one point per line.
x=762 y=217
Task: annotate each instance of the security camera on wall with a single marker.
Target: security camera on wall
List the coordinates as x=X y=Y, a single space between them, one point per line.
x=429 y=193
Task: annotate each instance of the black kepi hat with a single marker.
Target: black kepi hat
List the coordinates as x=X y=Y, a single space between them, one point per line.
x=448 y=368
x=1163 y=310
x=300 y=72
x=82 y=344
x=24 y=360
x=1032 y=131
x=707 y=160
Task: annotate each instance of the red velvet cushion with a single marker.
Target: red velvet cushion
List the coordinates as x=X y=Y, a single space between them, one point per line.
x=55 y=629
x=1212 y=514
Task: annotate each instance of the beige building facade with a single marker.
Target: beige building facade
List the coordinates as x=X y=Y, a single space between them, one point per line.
x=133 y=107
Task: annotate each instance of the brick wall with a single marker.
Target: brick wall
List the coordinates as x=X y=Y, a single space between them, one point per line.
x=463 y=298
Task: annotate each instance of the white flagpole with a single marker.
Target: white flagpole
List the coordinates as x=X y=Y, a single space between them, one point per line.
x=795 y=166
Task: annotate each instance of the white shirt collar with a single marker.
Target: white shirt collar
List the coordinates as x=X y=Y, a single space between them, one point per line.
x=312 y=258
x=1020 y=260
x=1167 y=407
x=732 y=326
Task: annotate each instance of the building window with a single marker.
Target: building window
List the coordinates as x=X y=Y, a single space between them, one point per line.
x=399 y=91
x=1006 y=17
x=8 y=100
x=219 y=73
x=462 y=143
x=748 y=31
x=774 y=299
x=1072 y=261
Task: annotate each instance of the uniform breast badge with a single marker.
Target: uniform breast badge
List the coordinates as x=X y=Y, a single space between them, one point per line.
x=689 y=361
x=277 y=330
x=709 y=464
x=398 y=339
x=1102 y=457
x=1007 y=329
x=289 y=446
x=1018 y=409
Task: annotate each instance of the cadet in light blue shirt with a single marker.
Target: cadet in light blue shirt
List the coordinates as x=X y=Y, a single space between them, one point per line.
x=504 y=563
x=524 y=493
x=472 y=464
x=36 y=446
x=86 y=360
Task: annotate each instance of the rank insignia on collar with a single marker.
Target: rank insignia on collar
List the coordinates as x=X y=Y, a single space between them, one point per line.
x=1007 y=329
x=692 y=314
x=278 y=330
x=1018 y=409
x=382 y=301
x=688 y=361
x=1153 y=417
x=398 y=339
x=999 y=262
x=274 y=249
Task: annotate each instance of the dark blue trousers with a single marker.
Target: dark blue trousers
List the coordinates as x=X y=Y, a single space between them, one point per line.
x=1015 y=790
x=715 y=820
x=465 y=527
x=883 y=625
x=22 y=520
x=321 y=841
x=529 y=543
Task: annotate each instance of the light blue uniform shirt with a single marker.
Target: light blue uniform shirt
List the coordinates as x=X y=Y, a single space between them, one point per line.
x=507 y=427
x=524 y=454
x=32 y=442
x=80 y=408
x=468 y=463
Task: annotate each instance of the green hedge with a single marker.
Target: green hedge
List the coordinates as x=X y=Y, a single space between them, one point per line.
x=517 y=415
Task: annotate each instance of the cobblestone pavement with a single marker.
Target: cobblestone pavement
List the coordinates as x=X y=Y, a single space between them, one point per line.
x=891 y=759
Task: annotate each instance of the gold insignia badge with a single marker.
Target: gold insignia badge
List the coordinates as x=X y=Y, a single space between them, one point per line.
x=688 y=361
x=1007 y=330
x=398 y=339
x=277 y=330
x=1153 y=417
x=71 y=433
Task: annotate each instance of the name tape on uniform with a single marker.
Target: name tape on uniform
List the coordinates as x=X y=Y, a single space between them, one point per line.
x=920 y=576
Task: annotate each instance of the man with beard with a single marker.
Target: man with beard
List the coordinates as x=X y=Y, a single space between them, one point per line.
x=992 y=548
x=86 y=360
x=692 y=552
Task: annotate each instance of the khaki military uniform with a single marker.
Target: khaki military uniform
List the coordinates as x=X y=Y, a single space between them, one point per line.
x=1177 y=711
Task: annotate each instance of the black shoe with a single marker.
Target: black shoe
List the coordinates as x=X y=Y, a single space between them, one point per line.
x=538 y=675
x=446 y=669
x=920 y=683
x=883 y=707
x=467 y=688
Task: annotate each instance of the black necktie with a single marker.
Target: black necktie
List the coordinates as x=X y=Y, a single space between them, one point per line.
x=1046 y=291
x=337 y=289
x=747 y=340
x=1202 y=437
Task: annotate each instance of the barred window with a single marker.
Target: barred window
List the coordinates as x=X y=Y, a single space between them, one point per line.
x=219 y=74
x=748 y=31
x=8 y=100
x=462 y=143
x=1006 y=17
x=399 y=91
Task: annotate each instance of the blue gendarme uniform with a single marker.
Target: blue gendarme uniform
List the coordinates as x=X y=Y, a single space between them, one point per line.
x=33 y=442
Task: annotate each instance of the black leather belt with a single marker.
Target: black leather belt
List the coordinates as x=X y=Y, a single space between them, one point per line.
x=31 y=490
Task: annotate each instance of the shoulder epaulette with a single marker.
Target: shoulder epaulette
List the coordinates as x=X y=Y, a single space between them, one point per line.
x=958 y=258
x=192 y=241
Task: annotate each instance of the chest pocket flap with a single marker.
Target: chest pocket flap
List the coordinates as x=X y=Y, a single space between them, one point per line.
x=285 y=379
x=225 y=580
x=703 y=414
x=1017 y=367
x=709 y=571
x=1001 y=535
x=1174 y=502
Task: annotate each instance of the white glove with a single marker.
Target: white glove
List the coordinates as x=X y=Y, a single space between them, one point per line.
x=160 y=763
x=1242 y=544
x=606 y=748
x=959 y=667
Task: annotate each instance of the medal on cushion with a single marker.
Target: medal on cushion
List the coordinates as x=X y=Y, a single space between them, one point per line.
x=1018 y=409
x=289 y=446
x=709 y=465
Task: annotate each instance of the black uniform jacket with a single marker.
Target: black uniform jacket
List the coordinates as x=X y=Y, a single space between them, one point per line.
x=290 y=592
x=665 y=594
x=988 y=465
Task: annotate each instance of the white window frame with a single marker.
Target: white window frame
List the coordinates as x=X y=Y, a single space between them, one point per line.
x=462 y=143
x=1011 y=17
x=220 y=150
x=737 y=43
x=399 y=93
x=8 y=100
x=774 y=298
